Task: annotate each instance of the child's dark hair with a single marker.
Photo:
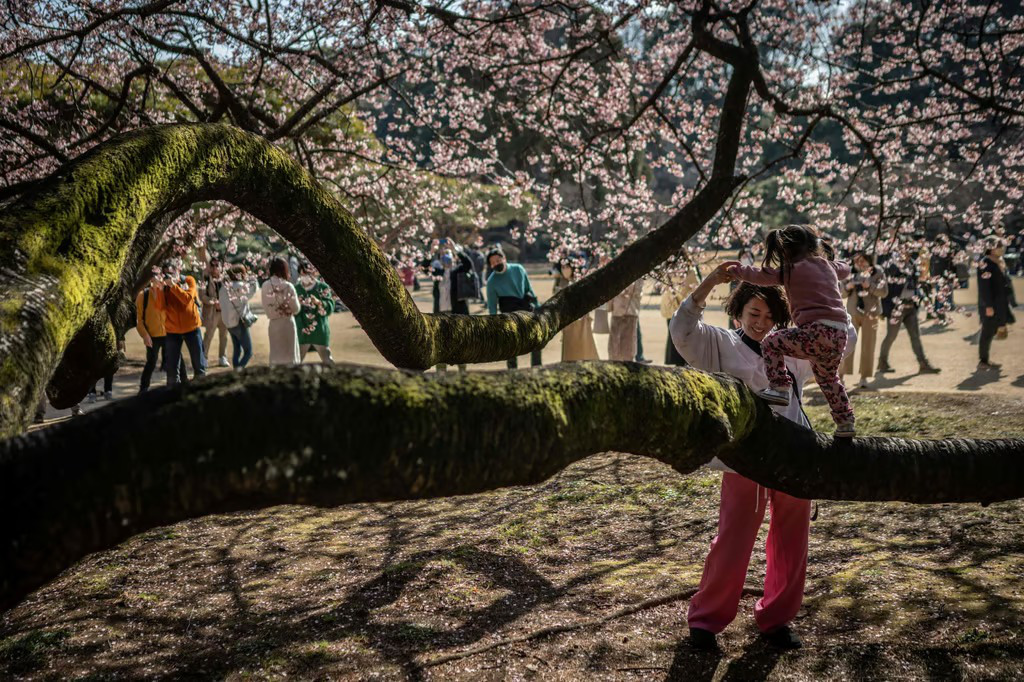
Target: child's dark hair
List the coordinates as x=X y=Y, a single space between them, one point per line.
x=773 y=296
x=786 y=246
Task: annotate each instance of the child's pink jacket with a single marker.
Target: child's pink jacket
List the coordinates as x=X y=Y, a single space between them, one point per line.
x=812 y=287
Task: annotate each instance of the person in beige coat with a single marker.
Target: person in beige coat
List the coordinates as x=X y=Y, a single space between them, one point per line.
x=864 y=293
x=577 y=337
x=625 y=316
x=213 y=321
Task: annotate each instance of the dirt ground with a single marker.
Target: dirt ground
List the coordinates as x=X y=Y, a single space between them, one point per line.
x=953 y=348
x=585 y=576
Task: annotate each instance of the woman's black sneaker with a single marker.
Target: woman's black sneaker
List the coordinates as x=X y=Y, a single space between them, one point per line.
x=703 y=639
x=783 y=638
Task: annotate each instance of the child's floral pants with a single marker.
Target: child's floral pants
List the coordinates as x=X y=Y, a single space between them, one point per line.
x=820 y=344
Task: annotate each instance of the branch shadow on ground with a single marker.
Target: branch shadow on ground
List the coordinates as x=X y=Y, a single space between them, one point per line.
x=309 y=592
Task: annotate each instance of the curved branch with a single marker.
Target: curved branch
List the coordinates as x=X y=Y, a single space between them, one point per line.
x=65 y=243
x=366 y=434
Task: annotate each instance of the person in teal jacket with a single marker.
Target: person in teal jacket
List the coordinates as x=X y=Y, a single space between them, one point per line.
x=509 y=290
x=317 y=304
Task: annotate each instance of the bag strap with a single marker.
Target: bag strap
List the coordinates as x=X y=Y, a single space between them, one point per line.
x=145 y=304
x=232 y=301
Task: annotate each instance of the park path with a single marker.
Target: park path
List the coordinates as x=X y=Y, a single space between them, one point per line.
x=953 y=348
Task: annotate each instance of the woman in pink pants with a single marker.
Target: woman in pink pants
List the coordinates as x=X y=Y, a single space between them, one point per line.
x=759 y=310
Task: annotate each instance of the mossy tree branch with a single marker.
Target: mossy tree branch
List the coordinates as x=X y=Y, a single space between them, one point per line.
x=66 y=245
x=331 y=436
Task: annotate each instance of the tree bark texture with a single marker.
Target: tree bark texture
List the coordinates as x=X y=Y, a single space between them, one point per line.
x=65 y=248
x=335 y=435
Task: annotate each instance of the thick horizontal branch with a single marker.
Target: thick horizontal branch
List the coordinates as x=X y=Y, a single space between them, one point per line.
x=331 y=436
x=67 y=242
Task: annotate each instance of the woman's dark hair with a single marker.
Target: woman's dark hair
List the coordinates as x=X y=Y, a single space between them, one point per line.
x=773 y=296
x=237 y=273
x=305 y=267
x=867 y=256
x=279 y=268
x=785 y=246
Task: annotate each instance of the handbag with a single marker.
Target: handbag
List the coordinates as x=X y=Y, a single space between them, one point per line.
x=248 y=319
x=601 y=321
x=467 y=286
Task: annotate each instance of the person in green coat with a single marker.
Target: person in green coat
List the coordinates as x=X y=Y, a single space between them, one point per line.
x=317 y=304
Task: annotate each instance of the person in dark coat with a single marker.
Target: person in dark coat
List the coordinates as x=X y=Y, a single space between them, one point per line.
x=445 y=269
x=451 y=262
x=899 y=307
x=479 y=263
x=995 y=298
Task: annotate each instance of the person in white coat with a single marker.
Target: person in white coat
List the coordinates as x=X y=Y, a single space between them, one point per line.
x=236 y=314
x=281 y=303
x=759 y=310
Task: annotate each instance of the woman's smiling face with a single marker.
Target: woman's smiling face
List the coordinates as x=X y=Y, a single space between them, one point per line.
x=756 y=319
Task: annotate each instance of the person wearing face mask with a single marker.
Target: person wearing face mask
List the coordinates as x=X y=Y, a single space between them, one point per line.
x=178 y=298
x=312 y=320
x=509 y=290
x=758 y=310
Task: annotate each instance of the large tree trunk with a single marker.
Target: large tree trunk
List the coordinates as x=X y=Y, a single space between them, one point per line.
x=65 y=248
x=330 y=436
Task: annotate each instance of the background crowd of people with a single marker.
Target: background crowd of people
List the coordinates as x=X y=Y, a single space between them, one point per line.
x=179 y=313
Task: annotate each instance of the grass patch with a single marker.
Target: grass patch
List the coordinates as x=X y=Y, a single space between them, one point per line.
x=30 y=651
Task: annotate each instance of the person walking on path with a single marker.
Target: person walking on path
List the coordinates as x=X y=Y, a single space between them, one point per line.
x=281 y=303
x=808 y=271
x=213 y=320
x=577 y=337
x=995 y=299
x=317 y=302
x=177 y=297
x=149 y=322
x=236 y=313
x=864 y=294
x=625 y=316
x=509 y=291
x=759 y=310
x=899 y=307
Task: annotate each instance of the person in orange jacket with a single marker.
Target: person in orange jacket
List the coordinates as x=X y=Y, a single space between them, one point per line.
x=178 y=297
x=149 y=321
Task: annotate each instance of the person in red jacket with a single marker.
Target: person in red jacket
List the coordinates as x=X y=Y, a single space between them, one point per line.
x=178 y=297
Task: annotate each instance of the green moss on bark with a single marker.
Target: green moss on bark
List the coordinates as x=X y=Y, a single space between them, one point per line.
x=68 y=243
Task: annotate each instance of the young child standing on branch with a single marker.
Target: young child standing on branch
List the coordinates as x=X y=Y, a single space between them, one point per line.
x=797 y=258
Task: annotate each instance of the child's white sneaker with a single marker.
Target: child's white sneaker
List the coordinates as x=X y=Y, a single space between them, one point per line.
x=775 y=396
x=845 y=430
